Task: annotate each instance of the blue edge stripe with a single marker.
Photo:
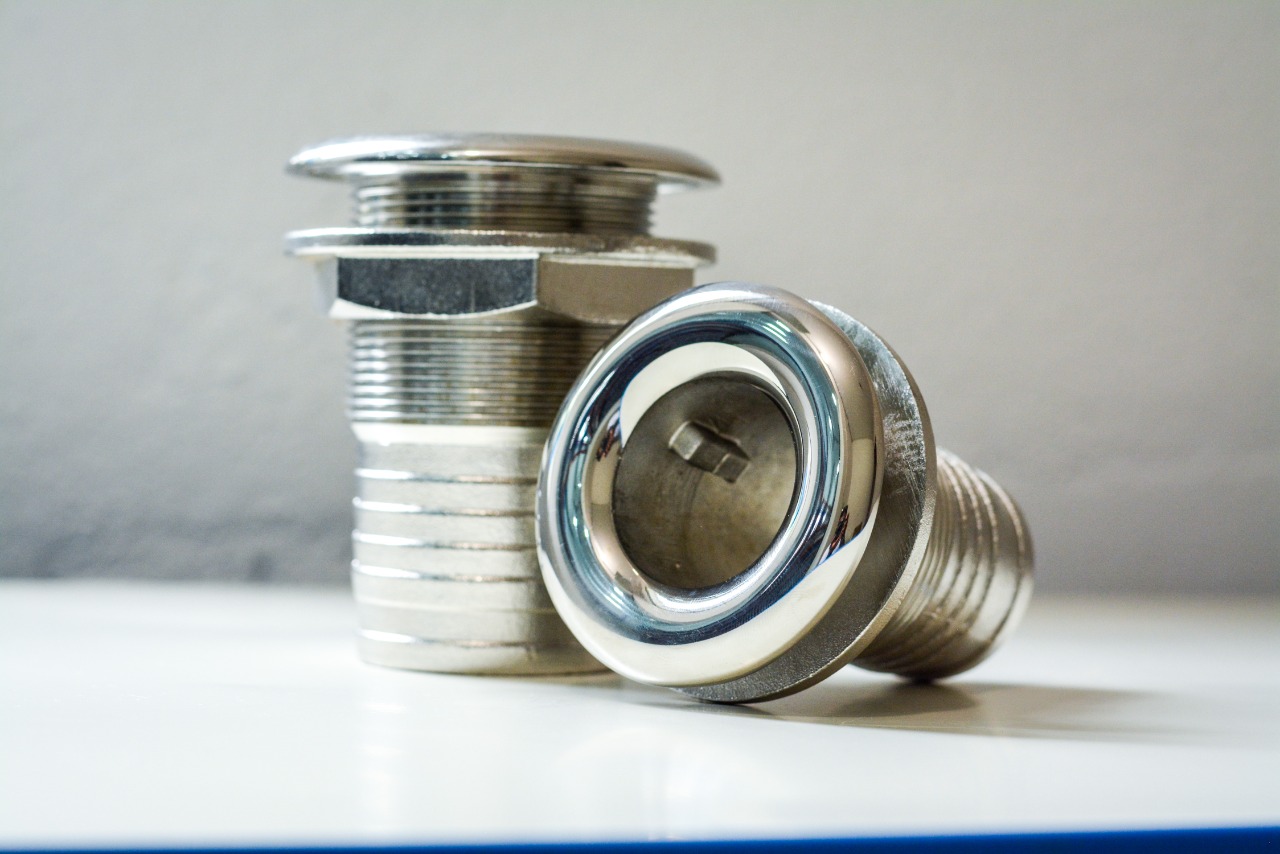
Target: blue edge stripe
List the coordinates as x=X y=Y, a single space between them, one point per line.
x=1234 y=840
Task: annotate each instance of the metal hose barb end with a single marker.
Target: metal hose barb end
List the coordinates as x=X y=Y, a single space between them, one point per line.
x=741 y=494
x=481 y=274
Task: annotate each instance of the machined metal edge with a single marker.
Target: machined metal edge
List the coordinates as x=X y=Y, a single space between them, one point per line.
x=400 y=155
x=382 y=242
x=776 y=601
x=894 y=551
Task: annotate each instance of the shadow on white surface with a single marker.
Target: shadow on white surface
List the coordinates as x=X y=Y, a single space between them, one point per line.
x=970 y=708
x=985 y=708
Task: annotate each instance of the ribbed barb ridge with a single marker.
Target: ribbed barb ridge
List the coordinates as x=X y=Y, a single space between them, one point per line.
x=562 y=201
x=465 y=372
x=446 y=575
x=975 y=577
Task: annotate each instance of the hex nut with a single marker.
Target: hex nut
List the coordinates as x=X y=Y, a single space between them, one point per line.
x=591 y=290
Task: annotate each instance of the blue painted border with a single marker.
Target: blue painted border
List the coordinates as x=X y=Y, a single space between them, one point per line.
x=1237 y=840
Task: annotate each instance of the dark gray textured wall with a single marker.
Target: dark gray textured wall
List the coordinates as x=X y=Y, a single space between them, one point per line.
x=1064 y=216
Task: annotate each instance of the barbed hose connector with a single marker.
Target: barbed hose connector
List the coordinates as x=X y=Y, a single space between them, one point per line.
x=481 y=274
x=741 y=494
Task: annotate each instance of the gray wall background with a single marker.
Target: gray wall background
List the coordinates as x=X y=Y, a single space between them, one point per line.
x=1065 y=216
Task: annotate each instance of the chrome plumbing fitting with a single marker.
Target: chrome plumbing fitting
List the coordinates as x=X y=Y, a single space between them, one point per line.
x=481 y=274
x=741 y=494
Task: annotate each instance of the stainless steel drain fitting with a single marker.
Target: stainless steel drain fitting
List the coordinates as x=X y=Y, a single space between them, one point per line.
x=741 y=494
x=482 y=273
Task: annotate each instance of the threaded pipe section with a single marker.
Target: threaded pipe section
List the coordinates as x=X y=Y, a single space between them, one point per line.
x=538 y=200
x=446 y=575
x=463 y=372
x=972 y=584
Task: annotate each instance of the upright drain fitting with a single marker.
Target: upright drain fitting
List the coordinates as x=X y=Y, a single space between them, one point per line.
x=741 y=495
x=482 y=274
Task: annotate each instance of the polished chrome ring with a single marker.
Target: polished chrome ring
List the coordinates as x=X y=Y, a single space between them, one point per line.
x=692 y=635
x=741 y=494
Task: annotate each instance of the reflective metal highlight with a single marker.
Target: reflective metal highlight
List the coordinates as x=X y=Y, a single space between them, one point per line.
x=480 y=274
x=741 y=494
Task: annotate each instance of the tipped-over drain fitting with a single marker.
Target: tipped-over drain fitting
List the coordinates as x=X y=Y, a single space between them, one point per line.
x=482 y=274
x=741 y=494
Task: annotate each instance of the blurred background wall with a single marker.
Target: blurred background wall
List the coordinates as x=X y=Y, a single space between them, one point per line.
x=1065 y=217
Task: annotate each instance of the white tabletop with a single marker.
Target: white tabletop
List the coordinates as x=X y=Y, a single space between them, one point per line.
x=195 y=715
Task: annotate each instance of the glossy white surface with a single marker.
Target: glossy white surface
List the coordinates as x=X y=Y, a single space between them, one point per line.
x=137 y=713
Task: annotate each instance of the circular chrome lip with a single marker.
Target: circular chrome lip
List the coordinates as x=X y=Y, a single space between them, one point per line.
x=678 y=614
x=680 y=638
x=371 y=157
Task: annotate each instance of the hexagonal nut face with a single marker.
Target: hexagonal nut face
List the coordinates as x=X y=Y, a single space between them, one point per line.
x=590 y=289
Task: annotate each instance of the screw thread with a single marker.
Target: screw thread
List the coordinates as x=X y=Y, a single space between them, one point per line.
x=446 y=575
x=467 y=372
x=564 y=201
x=974 y=579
